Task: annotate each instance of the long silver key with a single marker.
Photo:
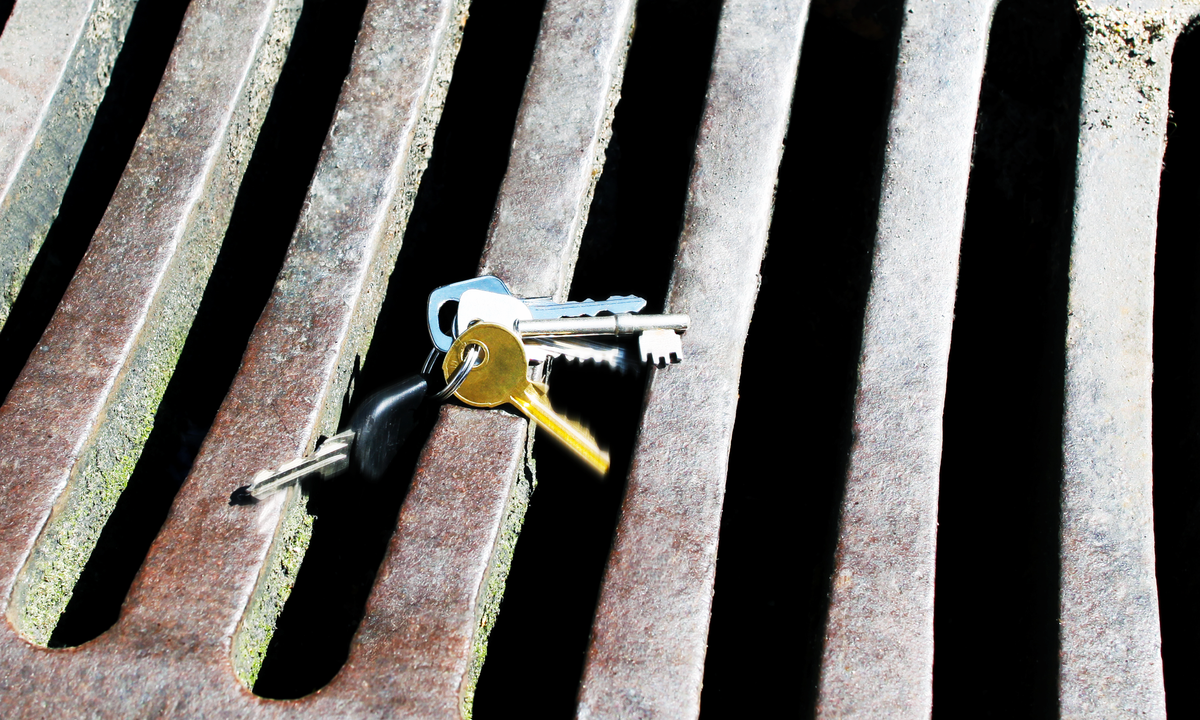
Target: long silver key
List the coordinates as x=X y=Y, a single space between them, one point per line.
x=481 y=305
x=544 y=308
x=658 y=335
x=578 y=350
x=537 y=307
x=476 y=305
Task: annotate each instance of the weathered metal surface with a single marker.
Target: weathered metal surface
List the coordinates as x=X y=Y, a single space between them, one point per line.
x=444 y=573
x=56 y=58
x=1110 y=646
x=76 y=419
x=877 y=659
x=213 y=565
x=646 y=657
x=295 y=372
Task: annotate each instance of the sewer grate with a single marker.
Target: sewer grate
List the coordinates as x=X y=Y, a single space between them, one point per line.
x=205 y=626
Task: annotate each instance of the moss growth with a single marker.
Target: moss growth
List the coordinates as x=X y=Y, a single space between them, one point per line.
x=100 y=476
x=278 y=578
x=32 y=201
x=1135 y=46
x=488 y=607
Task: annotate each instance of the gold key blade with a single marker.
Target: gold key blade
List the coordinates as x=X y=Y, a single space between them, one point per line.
x=501 y=377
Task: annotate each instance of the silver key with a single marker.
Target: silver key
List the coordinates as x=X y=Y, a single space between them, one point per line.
x=544 y=308
x=658 y=342
x=329 y=460
x=476 y=304
x=479 y=306
x=538 y=307
x=577 y=350
x=454 y=293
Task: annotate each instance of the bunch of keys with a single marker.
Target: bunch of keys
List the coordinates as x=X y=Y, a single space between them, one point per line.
x=491 y=343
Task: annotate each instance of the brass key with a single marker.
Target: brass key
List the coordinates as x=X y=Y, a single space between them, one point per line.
x=500 y=377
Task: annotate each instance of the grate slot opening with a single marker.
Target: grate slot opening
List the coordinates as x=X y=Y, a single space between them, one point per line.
x=260 y=228
x=628 y=246
x=1176 y=394
x=996 y=598
x=119 y=120
x=6 y=8
x=777 y=529
x=442 y=244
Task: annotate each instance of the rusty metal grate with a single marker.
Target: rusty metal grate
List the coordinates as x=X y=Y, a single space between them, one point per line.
x=200 y=280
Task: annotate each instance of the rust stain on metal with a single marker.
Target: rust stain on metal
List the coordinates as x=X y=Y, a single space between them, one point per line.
x=877 y=658
x=56 y=58
x=78 y=416
x=170 y=652
x=646 y=657
x=558 y=148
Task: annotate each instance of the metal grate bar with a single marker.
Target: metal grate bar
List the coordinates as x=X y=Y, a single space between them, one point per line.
x=1111 y=659
x=440 y=585
x=878 y=654
x=77 y=418
x=57 y=58
x=198 y=619
x=648 y=639
x=295 y=371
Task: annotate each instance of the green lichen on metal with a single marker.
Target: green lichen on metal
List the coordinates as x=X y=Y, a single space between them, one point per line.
x=1131 y=49
x=279 y=577
x=30 y=204
x=488 y=607
x=420 y=149
x=48 y=578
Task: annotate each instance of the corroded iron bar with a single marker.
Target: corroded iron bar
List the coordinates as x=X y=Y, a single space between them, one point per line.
x=216 y=575
x=877 y=658
x=75 y=421
x=223 y=573
x=56 y=58
x=1109 y=640
x=646 y=657
x=427 y=623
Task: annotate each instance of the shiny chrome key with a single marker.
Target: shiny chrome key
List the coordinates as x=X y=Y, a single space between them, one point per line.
x=658 y=343
x=484 y=305
x=658 y=335
x=577 y=350
x=501 y=377
x=531 y=307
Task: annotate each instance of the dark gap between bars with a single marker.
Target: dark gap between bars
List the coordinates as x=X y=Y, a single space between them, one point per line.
x=260 y=229
x=1176 y=395
x=6 y=8
x=119 y=121
x=442 y=244
x=628 y=247
x=787 y=461
x=996 y=598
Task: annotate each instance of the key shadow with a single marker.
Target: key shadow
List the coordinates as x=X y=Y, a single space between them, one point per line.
x=354 y=519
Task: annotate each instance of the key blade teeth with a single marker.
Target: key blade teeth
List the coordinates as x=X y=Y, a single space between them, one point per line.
x=616 y=304
x=578 y=351
x=661 y=347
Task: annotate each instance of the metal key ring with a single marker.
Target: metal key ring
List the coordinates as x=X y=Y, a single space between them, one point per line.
x=431 y=361
x=460 y=373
